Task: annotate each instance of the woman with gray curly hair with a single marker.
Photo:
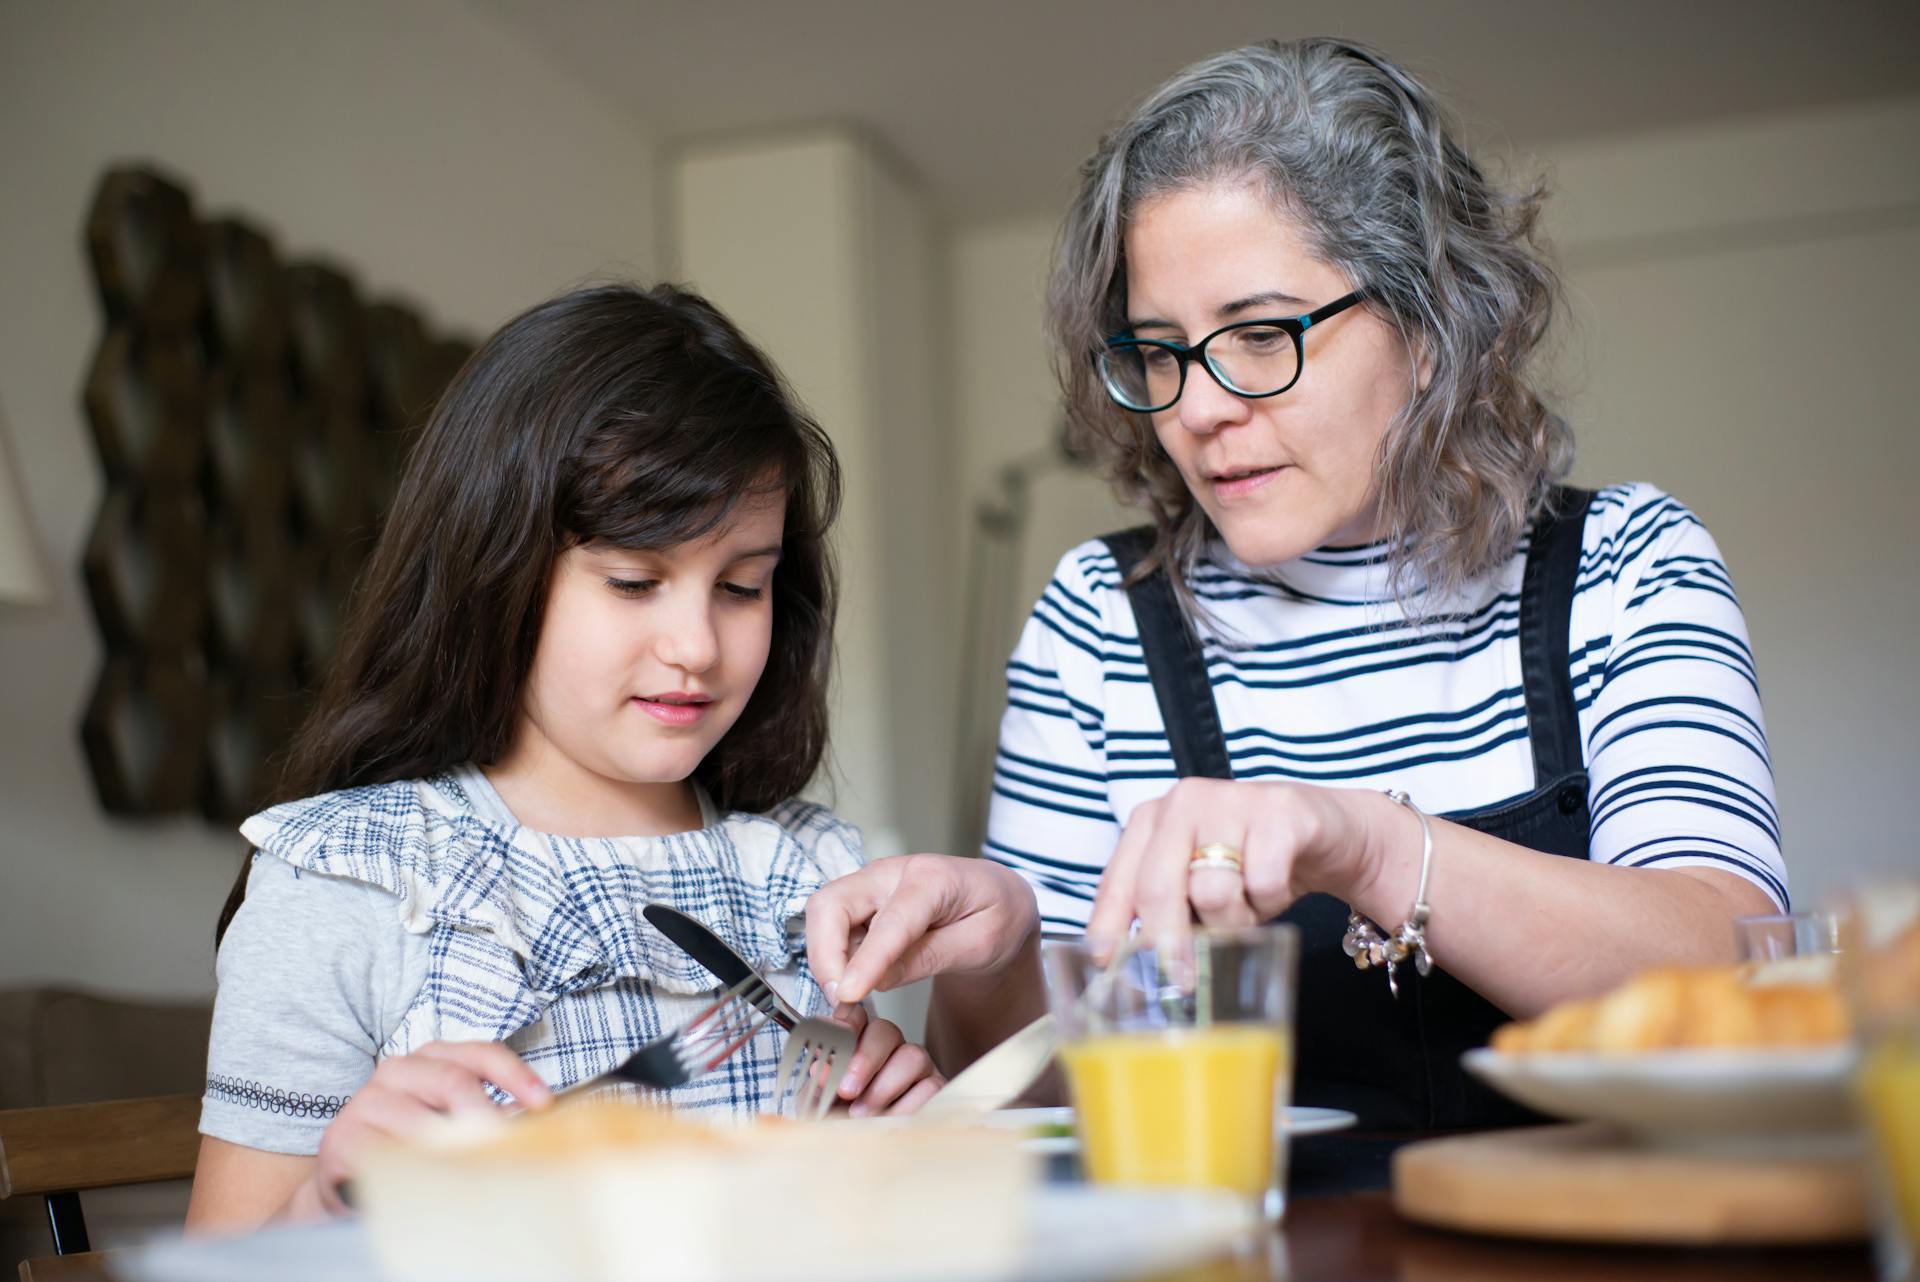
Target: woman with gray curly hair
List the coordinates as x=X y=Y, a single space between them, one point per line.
x=1372 y=669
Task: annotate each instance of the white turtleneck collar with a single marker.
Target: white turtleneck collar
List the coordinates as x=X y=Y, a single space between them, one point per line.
x=1331 y=575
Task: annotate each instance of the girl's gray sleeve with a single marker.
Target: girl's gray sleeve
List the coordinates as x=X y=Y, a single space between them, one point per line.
x=314 y=974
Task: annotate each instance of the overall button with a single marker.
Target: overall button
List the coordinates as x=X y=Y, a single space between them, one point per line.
x=1570 y=801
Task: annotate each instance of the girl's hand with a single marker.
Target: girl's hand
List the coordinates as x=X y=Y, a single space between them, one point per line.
x=924 y=915
x=406 y=1090
x=1293 y=838
x=888 y=1074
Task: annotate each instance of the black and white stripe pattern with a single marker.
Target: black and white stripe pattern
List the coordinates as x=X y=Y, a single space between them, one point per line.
x=1321 y=678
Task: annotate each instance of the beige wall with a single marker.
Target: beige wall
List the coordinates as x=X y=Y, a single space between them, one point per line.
x=915 y=603
x=1007 y=403
x=1742 y=333
x=424 y=148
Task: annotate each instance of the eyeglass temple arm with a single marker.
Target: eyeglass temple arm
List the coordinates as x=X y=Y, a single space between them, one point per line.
x=1338 y=305
x=1299 y=324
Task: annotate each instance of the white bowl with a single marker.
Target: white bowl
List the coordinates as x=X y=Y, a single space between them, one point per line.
x=1683 y=1096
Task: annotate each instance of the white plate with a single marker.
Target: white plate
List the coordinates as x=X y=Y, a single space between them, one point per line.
x=1683 y=1094
x=1300 y=1121
x=1076 y=1232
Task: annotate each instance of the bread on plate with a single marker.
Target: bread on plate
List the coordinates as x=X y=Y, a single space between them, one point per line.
x=609 y=1188
x=1795 y=1003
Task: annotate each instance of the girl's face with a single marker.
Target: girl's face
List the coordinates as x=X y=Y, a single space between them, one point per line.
x=1286 y=474
x=646 y=659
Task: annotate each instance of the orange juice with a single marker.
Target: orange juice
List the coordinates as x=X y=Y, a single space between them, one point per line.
x=1890 y=1090
x=1182 y=1107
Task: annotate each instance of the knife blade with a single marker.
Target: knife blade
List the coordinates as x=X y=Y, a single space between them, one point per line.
x=999 y=1077
x=700 y=943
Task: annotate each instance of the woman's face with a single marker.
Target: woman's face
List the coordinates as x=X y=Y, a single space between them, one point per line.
x=1289 y=473
x=646 y=659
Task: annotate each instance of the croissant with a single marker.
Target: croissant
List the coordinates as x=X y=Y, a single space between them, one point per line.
x=1674 y=1008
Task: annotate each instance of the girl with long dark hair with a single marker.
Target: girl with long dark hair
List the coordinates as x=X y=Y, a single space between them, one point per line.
x=585 y=670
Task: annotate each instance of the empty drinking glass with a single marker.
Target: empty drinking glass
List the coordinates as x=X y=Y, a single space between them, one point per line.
x=1775 y=936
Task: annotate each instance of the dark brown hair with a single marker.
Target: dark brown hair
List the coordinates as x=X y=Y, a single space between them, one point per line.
x=635 y=417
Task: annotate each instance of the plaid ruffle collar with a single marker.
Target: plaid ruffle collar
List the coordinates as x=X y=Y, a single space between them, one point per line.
x=567 y=907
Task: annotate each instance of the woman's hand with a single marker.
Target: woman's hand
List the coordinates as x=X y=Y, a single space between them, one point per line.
x=406 y=1090
x=1292 y=838
x=888 y=1073
x=924 y=915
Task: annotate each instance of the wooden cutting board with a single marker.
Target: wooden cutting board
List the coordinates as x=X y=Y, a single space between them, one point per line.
x=1590 y=1183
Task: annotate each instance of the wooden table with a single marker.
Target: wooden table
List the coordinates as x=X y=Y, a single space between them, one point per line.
x=1357 y=1237
x=1341 y=1227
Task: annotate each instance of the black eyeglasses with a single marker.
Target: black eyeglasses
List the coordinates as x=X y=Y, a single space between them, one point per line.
x=1253 y=358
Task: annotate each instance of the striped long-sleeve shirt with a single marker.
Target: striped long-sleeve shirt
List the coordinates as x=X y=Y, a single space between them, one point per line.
x=1321 y=678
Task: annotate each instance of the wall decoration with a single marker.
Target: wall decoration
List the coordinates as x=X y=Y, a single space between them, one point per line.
x=251 y=417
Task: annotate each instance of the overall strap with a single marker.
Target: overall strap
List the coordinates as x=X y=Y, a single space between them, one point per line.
x=1546 y=602
x=1174 y=662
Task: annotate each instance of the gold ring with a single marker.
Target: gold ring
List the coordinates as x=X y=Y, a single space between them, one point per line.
x=1216 y=855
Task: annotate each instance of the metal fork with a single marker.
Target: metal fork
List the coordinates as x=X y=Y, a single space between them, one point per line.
x=697 y=1048
x=812 y=1067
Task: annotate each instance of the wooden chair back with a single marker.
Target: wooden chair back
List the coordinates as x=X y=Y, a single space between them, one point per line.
x=61 y=1151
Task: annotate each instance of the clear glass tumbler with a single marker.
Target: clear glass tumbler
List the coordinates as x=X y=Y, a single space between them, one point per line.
x=1180 y=1058
x=1768 y=937
x=1881 y=965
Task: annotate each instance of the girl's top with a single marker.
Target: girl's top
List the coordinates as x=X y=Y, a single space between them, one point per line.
x=379 y=919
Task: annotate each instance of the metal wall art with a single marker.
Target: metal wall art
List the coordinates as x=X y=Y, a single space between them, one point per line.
x=251 y=417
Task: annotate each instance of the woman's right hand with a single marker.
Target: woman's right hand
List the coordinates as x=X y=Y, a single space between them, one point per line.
x=406 y=1090
x=924 y=915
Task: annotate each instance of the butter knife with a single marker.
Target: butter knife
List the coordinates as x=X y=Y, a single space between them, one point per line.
x=999 y=1077
x=700 y=943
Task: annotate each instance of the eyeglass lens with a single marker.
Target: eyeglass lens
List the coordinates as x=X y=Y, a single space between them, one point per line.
x=1257 y=360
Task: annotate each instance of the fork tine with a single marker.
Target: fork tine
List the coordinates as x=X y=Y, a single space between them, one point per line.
x=738 y=990
x=834 y=1064
x=757 y=994
x=810 y=1099
x=783 y=1075
x=744 y=1032
x=699 y=1046
x=739 y=1014
x=813 y=1066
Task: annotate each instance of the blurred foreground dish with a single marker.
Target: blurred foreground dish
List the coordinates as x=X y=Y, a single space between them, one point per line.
x=605 y=1189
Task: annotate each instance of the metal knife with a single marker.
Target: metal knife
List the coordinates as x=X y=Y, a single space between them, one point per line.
x=713 y=952
x=999 y=1077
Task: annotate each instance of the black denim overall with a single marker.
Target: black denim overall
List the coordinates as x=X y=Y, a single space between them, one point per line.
x=1396 y=1062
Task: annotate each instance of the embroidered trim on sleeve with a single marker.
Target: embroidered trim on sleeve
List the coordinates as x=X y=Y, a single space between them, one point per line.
x=270 y=1099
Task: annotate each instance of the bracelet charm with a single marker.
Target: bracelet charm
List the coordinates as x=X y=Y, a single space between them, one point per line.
x=1368 y=945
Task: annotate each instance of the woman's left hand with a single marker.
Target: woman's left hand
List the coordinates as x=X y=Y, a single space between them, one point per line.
x=888 y=1073
x=1292 y=838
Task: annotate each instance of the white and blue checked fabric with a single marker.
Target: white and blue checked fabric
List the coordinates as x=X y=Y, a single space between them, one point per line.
x=537 y=940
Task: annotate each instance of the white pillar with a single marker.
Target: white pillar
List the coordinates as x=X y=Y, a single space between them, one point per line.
x=823 y=251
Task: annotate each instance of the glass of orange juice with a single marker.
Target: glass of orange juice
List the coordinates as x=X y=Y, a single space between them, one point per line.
x=1180 y=1058
x=1881 y=962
